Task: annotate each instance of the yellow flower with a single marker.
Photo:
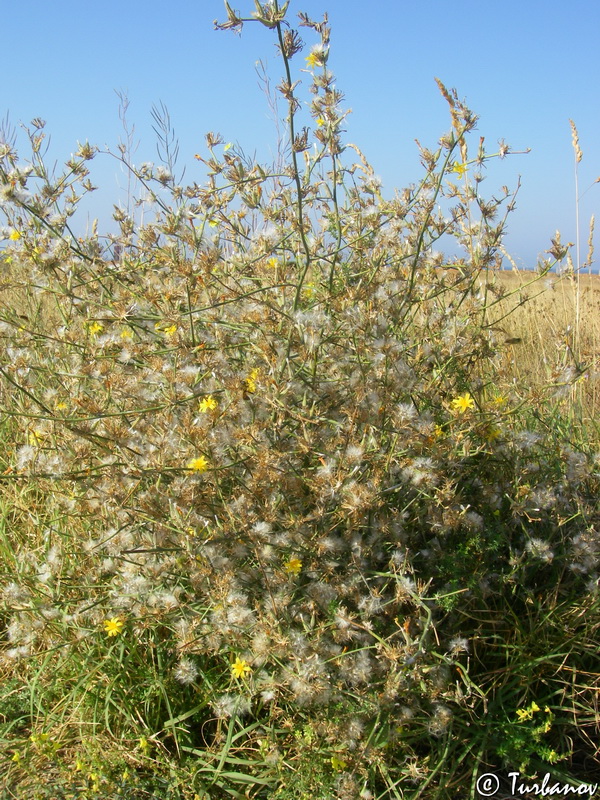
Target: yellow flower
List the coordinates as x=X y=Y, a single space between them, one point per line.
x=460 y=169
x=113 y=626
x=36 y=437
x=168 y=331
x=16 y=757
x=338 y=763
x=463 y=402
x=15 y=236
x=548 y=724
x=144 y=745
x=491 y=433
x=293 y=566
x=320 y=121
x=94 y=328
x=199 y=464
x=272 y=262
x=207 y=404
x=312 y=60
x=241 y=668
x=39 y=738
x=126 y=333
x=309 y=290
x=251 y=380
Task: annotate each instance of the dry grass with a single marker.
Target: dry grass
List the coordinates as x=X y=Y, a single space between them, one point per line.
x=552 y=332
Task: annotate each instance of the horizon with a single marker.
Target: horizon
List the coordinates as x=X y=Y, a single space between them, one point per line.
x=207 y=81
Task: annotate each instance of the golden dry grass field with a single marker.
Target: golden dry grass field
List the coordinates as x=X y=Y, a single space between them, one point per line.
x=552 y=331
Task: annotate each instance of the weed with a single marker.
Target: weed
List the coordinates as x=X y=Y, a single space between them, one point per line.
x=271 y=525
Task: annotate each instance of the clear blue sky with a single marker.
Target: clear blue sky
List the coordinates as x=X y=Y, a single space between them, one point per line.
x=524 y=67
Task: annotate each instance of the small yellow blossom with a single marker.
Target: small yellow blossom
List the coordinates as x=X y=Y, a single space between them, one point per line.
x=227 y=146
x=499 y=400
x=126 y=333
x=338 y=763
x=36 y=437
x=460 y=169
x=16 y=757
x=144 y=745
x=168 y=331
x=213 y=223
x=251 y=380
x=207 y=404
x=39 y=738
x=113 y=626
x=312 y=59
x=241 y=668
x=492 y=433
x=293 y=566
x=199 y=464
x=309 y=290
x=463 y=402
x=438 y=431
x=273 y=262
x=94 y=328
x=15 y=236
x=320 y=121
x=524 y=714
x=548 y=725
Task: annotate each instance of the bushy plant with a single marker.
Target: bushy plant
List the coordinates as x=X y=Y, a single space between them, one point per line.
x=281 y=504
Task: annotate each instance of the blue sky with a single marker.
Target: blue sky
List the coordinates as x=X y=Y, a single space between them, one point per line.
x=524 y=67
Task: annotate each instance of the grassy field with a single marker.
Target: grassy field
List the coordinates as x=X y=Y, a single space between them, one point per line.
x=554 y=333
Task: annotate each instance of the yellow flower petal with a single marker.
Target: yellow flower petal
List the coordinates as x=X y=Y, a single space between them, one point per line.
x=338 y=763
x=293 y=566
x=460 y=169
x=207 y=404
x=240 y=668
x=463 y=403
x=113 y=626
x=199 y=464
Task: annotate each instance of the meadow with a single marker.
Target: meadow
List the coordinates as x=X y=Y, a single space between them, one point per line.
x=551 y=331
x=291 y=504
